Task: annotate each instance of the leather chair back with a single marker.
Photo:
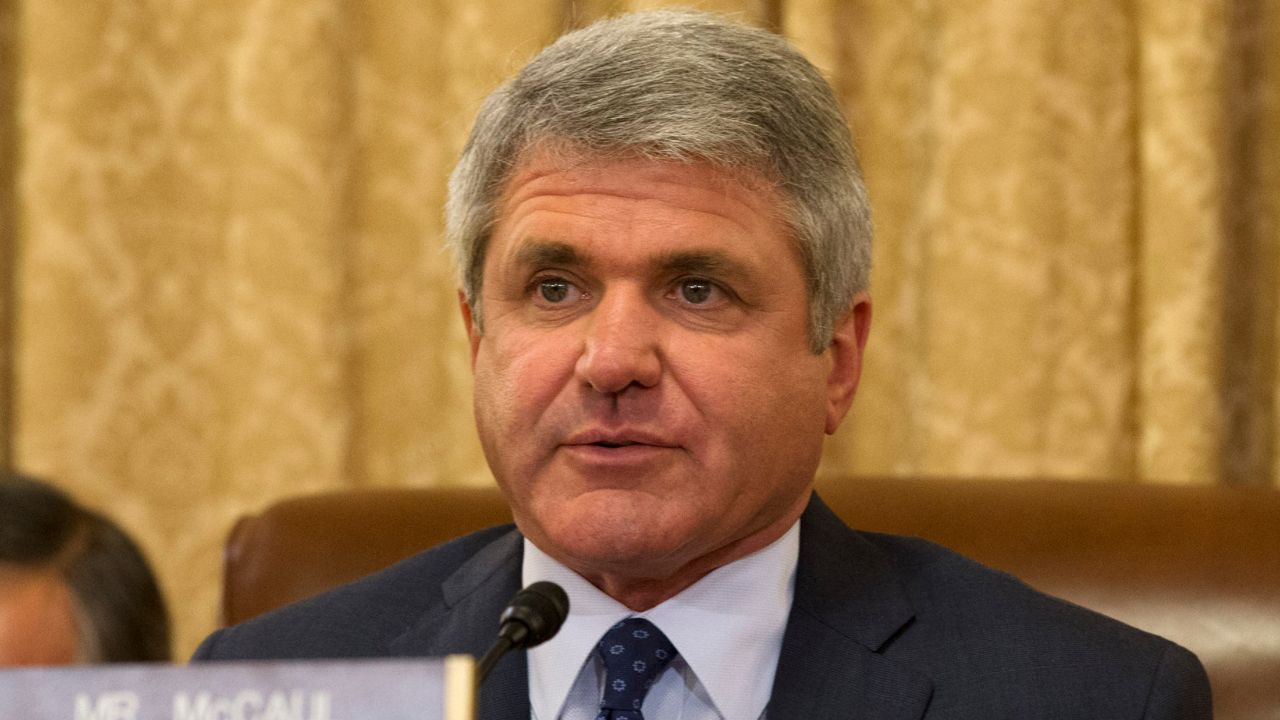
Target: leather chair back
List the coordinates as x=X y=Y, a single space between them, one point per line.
x=1199 y=565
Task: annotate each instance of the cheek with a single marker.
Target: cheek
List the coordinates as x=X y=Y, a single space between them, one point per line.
x=762 y=419
x=520 y=365
x=757 y=393
x=517 y=380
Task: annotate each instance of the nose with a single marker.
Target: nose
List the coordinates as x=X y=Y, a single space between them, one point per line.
x=621 y=348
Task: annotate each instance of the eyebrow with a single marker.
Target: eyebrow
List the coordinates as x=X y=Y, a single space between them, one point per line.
x=539 y=252
x=697 y=262
x=548 y=252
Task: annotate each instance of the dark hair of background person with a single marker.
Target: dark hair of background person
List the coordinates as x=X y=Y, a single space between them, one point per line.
x=123 y=617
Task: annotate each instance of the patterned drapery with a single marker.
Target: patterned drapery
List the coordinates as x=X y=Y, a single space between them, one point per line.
x=220 y=222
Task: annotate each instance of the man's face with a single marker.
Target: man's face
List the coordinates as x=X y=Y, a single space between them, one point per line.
x=645 y=392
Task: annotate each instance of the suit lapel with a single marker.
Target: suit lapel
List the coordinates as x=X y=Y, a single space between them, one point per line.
x=466 y=621
x=848 y=606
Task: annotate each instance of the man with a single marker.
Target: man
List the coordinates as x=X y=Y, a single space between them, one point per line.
x=73 y=587
x=664 y=242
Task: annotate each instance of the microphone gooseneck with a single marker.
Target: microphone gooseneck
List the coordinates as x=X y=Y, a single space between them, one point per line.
x=532 y=617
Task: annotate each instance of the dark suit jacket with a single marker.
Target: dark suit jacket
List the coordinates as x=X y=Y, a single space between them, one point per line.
x=882 y=627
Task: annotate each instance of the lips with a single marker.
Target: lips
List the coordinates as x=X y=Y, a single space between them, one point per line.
x=619 y=438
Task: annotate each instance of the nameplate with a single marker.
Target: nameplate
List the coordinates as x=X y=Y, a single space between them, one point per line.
x=436 y=689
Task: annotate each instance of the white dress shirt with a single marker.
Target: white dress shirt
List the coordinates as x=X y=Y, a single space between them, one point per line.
x=728 y=628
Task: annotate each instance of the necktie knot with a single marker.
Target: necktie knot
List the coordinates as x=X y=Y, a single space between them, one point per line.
x=635 y=652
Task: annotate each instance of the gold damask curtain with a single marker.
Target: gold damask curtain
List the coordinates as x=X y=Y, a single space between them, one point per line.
x=220 y=222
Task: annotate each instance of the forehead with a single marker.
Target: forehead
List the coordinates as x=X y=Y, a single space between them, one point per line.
x=574 y=198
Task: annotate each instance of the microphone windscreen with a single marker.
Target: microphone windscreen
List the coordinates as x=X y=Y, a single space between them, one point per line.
x=541 y=608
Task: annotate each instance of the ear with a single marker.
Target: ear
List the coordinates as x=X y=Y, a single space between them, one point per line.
x=473 y=333
x=845 y=351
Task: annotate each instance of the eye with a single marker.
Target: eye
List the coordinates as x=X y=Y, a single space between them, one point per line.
x=551 y=290
x=697 y=291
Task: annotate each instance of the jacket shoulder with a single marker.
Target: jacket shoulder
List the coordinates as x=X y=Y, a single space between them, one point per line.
x=982 y=633
x=360 y=618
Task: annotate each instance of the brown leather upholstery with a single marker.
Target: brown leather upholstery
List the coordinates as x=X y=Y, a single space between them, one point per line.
x=1199 y=565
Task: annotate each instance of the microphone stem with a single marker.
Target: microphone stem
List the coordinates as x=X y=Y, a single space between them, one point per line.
x=491 y=658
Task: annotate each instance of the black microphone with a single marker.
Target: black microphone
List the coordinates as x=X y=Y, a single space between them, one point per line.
x=532 y=617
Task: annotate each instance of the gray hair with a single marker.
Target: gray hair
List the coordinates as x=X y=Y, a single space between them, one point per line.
x=679 y=86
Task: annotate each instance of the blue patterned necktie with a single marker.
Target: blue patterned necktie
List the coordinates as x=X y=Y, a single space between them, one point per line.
x=634 y=652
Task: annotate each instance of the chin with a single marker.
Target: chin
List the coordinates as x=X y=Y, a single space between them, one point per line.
x=612 y=544
x=635 y=563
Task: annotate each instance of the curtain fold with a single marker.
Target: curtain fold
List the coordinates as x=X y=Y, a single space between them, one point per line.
x=220 y=244
x=8 y=219
x=998 y=149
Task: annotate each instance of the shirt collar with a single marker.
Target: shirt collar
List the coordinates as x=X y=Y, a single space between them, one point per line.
x=727 y=626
